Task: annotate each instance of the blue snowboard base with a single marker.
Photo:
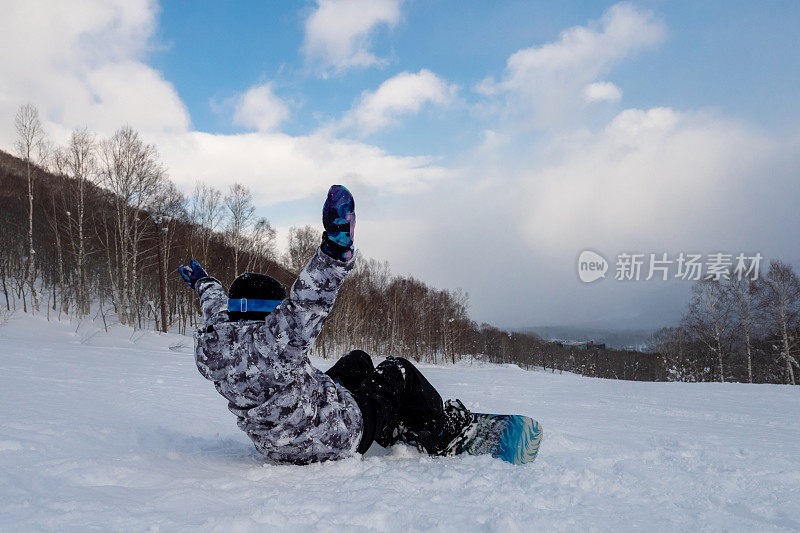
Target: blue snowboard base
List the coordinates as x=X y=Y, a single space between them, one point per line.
x=512 y=438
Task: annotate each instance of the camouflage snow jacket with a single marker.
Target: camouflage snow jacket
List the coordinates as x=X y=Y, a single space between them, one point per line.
x=293 y=412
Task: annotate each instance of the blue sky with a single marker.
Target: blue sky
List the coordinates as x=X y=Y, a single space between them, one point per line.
x=741 y=57
x=487 y=143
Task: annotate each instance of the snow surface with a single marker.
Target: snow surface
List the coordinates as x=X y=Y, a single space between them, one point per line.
x=118 y=431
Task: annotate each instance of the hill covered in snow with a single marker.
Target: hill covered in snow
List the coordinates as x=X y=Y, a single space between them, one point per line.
x=118 y=431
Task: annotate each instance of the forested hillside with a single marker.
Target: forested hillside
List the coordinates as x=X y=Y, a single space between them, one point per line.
x=103 y=230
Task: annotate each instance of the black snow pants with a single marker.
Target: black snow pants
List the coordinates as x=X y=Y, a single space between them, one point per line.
x=396 y=401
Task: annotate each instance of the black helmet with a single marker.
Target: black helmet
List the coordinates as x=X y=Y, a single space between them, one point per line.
x=251 y=291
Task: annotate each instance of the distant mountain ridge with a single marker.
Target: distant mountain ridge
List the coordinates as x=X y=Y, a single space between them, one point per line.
x=630 y=339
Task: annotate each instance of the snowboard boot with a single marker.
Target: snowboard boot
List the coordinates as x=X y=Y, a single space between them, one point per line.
x=458 y=420
x=451 y=430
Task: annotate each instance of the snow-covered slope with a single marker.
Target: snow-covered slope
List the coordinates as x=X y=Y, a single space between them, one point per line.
x=119 y=431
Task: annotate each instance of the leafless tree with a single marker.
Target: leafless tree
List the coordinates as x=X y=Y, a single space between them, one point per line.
x=781 y=297
x=303 y=242
x=78 y=161
x=239 y=202
x=709 y=318
x=744 y=295
x=206 y=213
x=167 y=209
x=31 y=146
x=262 y=245
x=131 y=170
x=54 y=216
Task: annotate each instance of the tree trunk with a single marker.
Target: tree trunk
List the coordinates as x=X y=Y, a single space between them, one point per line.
x=785 y=335
x=161 y=289
x=31 y=251
x=5 y=290
x=64 y=303
x=83 y=293
x=749 y=356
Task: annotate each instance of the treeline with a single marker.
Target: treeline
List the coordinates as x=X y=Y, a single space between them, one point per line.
x=737 y=329
x=95 y=227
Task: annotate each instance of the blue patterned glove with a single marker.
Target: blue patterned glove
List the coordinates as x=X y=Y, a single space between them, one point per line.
x=339 y=219
x=192 y=273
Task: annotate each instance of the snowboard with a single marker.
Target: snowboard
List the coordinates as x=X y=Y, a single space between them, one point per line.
x=512 y=438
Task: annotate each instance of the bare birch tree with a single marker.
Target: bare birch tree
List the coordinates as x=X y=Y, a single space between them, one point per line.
x=78 y=161
x=709 y=318
x=782 y=299
x=262 y=245
x=239 y=202
x=744 y=294
x=131 y=170
x=167 y=209
x=303 y=242
x=30 y=144
x=206 y=213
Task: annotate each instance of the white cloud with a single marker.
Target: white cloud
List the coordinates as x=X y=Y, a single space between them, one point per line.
x=600 y=91
x=338 y=33
x=280 y=167
x=653 y=175
x=621 y=30
x=83 y=63
x=543 y=84
x=403 y=94
x=260 y=109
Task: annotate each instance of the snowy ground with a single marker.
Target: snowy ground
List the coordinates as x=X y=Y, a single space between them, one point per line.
x=120 y=432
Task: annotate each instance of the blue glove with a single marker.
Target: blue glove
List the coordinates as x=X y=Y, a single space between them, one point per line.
x=192 y=273
x=339 y=219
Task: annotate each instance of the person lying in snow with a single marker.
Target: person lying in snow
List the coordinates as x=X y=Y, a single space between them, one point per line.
x=255 y=345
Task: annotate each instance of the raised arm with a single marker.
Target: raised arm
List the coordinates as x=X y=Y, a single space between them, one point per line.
x=213 y=300
x=298 y=320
